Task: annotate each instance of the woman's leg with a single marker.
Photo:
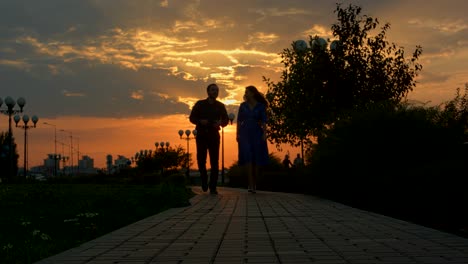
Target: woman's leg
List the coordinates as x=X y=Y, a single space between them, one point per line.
x=248 y=167
x=256 y=175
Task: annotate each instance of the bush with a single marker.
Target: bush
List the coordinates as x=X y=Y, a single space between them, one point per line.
x=237 y=176
x=399 y=161
x=273 y=177
x=177 y=179
x=127 y=176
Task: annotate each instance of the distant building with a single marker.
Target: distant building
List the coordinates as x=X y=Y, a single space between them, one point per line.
x=109 y=164
x=86 y=165
x=122 y=162
x=38 y=172
x=51 y=164
x=119 y=163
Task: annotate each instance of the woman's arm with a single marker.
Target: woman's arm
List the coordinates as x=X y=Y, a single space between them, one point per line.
x=263 y=120
x=240 y=120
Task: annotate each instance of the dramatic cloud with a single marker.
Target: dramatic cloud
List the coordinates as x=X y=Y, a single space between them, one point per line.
x=130 y=59
x=445 y=26
x=117 y=57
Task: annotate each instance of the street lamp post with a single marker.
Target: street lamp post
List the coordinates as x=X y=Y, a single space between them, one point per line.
x=71 y=149
x=78 y=154
x=55 y=147
x=161 y=145
x=10 y=103
x=63 y=158
x=188 y=138
x=25 y=118
x=231 y=117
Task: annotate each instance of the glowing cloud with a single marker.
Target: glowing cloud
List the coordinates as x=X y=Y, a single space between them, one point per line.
x=164 y=3
x=19 y=64
x=72 y=94
x=445 y=26
x=137 y=95
x=201 y=26
x=275 y=12
x=262 y=38
x=190 y=101
x=321 y=31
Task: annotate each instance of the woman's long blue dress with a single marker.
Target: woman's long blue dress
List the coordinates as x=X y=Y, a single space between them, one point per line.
x=252 y=147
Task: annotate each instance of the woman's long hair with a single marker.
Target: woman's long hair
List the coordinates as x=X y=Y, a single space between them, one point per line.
x=259 y=97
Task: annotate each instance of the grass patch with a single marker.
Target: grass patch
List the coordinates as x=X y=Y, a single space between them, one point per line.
x=38 y=220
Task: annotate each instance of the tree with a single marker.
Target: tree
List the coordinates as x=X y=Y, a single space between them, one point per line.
x=162 y=159
x=5 y=165
x=454 y=114
x=320 y=85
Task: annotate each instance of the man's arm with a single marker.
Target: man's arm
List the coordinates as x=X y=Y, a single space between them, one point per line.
x=195 y=114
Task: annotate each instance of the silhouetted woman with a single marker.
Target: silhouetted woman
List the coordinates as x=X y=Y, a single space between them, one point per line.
x=251 y=134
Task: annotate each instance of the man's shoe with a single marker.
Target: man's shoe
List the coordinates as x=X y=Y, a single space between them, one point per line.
x=213 y=192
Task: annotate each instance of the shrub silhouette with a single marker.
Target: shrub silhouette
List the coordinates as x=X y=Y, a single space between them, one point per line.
x=396 y=160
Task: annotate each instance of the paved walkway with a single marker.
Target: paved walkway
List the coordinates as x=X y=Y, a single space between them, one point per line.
x=237 y=227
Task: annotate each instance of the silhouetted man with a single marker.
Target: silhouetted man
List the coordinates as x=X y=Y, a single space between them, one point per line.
x=209 y=115
x=286 y=162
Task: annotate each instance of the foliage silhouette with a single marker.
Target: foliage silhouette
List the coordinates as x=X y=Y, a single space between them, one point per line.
x=320 y=86
x=454 y=114
x=273 y=177
x=161 y=159
x=405 y=161
x=5 y=156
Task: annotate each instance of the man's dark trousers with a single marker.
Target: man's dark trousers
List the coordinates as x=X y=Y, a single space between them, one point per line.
x=208 y=143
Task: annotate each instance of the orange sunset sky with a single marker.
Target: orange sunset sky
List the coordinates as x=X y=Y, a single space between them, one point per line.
x=121 y=75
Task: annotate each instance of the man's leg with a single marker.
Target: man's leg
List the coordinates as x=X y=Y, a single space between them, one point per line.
x=213 y=148
x=201 y=160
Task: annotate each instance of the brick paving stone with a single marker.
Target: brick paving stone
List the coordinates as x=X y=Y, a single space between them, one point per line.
x=238 y=227
x=295 y=260
x=229 y=260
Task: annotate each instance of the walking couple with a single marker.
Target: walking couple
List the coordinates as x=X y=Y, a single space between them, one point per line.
x=209 y=115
